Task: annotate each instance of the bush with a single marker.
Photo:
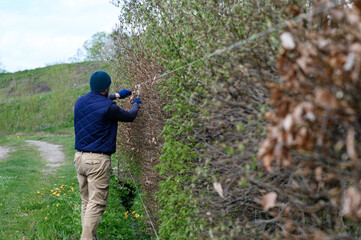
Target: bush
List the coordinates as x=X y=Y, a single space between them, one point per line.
x=212 y=185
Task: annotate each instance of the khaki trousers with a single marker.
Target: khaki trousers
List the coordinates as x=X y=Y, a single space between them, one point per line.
x=93 y=171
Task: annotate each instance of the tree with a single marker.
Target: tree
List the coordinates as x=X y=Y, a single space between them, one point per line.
x=99 y=47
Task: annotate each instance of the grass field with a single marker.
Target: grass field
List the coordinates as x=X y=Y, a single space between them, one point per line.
x=28 y=209
x=34 y=205
x=43 y=98
x=38 y=105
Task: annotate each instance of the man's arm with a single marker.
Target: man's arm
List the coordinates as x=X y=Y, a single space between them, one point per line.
x=113 y=96
x=115 y=113
x=121 y=94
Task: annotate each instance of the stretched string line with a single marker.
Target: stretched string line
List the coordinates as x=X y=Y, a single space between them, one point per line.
x=241 y=43
x=145 y=208
x=238 y=44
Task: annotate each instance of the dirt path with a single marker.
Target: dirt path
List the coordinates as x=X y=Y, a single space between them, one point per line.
x=51 y=153
x=4 y=151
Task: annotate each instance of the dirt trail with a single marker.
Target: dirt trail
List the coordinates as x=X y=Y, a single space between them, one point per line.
x=51 y=153
x=4 y=151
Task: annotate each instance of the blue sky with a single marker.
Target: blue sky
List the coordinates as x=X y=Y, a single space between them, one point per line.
x=36 y=33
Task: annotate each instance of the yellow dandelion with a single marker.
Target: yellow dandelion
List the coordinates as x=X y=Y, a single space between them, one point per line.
x=57 y=205
x=52 y=190
x=126 y=216
x=75 y=205
x=38 y=192
x=46 y=218
x=133 y=212
x=1 y=204
x=58 y=194
x=136 y=215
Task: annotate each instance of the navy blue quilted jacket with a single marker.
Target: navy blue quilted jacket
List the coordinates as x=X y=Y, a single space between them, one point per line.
x=94 y=132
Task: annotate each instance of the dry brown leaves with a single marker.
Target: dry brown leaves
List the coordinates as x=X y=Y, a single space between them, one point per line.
x=315 y=125
x=321 y=77
x=140 y=139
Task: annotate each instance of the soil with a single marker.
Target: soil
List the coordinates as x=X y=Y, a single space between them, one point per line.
x=52 y=153
x=41 y=87
x=4 y=151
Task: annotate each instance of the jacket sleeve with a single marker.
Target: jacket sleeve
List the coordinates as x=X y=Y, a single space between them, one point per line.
x=112 y=96
x=115 y=113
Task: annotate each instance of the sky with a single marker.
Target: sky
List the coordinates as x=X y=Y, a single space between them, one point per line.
x=37 y=33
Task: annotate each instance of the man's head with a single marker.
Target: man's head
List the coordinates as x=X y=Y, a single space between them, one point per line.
x=100 y=81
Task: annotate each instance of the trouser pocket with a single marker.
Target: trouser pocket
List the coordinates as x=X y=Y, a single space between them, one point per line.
x=92 y=161
x=101 y=193
x=99 y=177
x=77 y=160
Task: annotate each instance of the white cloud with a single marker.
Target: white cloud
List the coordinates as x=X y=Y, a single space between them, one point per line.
x=42 y=32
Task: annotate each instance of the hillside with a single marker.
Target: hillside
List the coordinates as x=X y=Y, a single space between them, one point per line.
x=43 y=98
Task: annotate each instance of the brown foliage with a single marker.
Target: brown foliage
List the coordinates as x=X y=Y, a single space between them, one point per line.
x=140 y=140
x=315 y=126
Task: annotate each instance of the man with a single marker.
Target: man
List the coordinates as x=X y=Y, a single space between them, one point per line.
x=96 y=119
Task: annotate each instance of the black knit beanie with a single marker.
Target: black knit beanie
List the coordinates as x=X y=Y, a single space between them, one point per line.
x=99 y=81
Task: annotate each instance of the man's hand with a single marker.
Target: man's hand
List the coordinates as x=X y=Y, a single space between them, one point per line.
x=137 y=100
x=124 y=93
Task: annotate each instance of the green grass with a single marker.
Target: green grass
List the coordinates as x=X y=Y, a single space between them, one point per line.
x=20 y=174
x=39 y=111
x=39 y=206
x=28 y=207
x=118 y=223
x=25 y=107
x=55 y=76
